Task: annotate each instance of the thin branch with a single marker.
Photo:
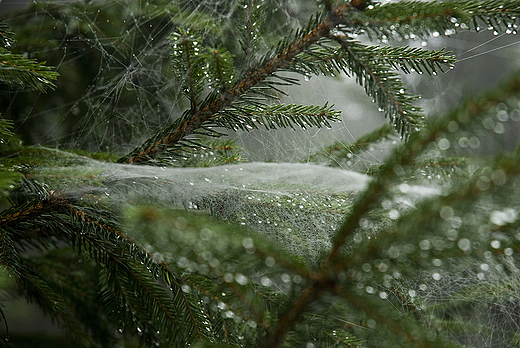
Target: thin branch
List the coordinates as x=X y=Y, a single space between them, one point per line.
x=422 y=18
x=219 y=70
x=44 y=205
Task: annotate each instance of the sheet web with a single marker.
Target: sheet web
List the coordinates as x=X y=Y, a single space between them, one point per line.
x=133 y=93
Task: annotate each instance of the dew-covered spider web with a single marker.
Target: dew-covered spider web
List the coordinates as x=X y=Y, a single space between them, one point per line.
x=285 y=185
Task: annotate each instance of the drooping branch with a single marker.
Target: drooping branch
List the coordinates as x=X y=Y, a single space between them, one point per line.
x=58 y=216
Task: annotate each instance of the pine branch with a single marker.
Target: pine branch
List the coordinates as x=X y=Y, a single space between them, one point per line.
x=370 y=64
x=404 y=155
x=384 y=86
x=187 y=126
x=158 y=301
x=426 y=213
x=418 y=19
x=76 y=286
x=330 y=60
x=18 y=214
x=109 y=247
x=16 y=69
x=6 y=35
x=127 y=285
x=9 y=256
x=76 y=279
x=221 y=71
x=37 y=289
x=402 y=328
x=189 y=63
x=413 y=59
x=213 y=152
x=337 y=153
x=275 y=116
x=298 y=307
x=250 y=39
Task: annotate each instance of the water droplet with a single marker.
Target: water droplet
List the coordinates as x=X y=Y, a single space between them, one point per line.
x=444 y=144
x=464 y=244
x=393 y=214
x=495 y=244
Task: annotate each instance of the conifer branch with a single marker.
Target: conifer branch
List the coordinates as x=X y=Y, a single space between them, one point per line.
x=328 y=60
x=39 y=288
x=46 y=288
x=187 y=126
x=414 y=19
x=509 y=164
x=277 y=116
x=410 y=59
x=404 y=155
x=15 y=215
x=6 y=35
x=220 y=75
x=404 y=328
x=107 y=246
x=298 y=307
x=385 y=87
x=248 y=42
x=9 y=255
x=191 y=82
x=335 y=154
x=145 y=295
x=16 y=69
